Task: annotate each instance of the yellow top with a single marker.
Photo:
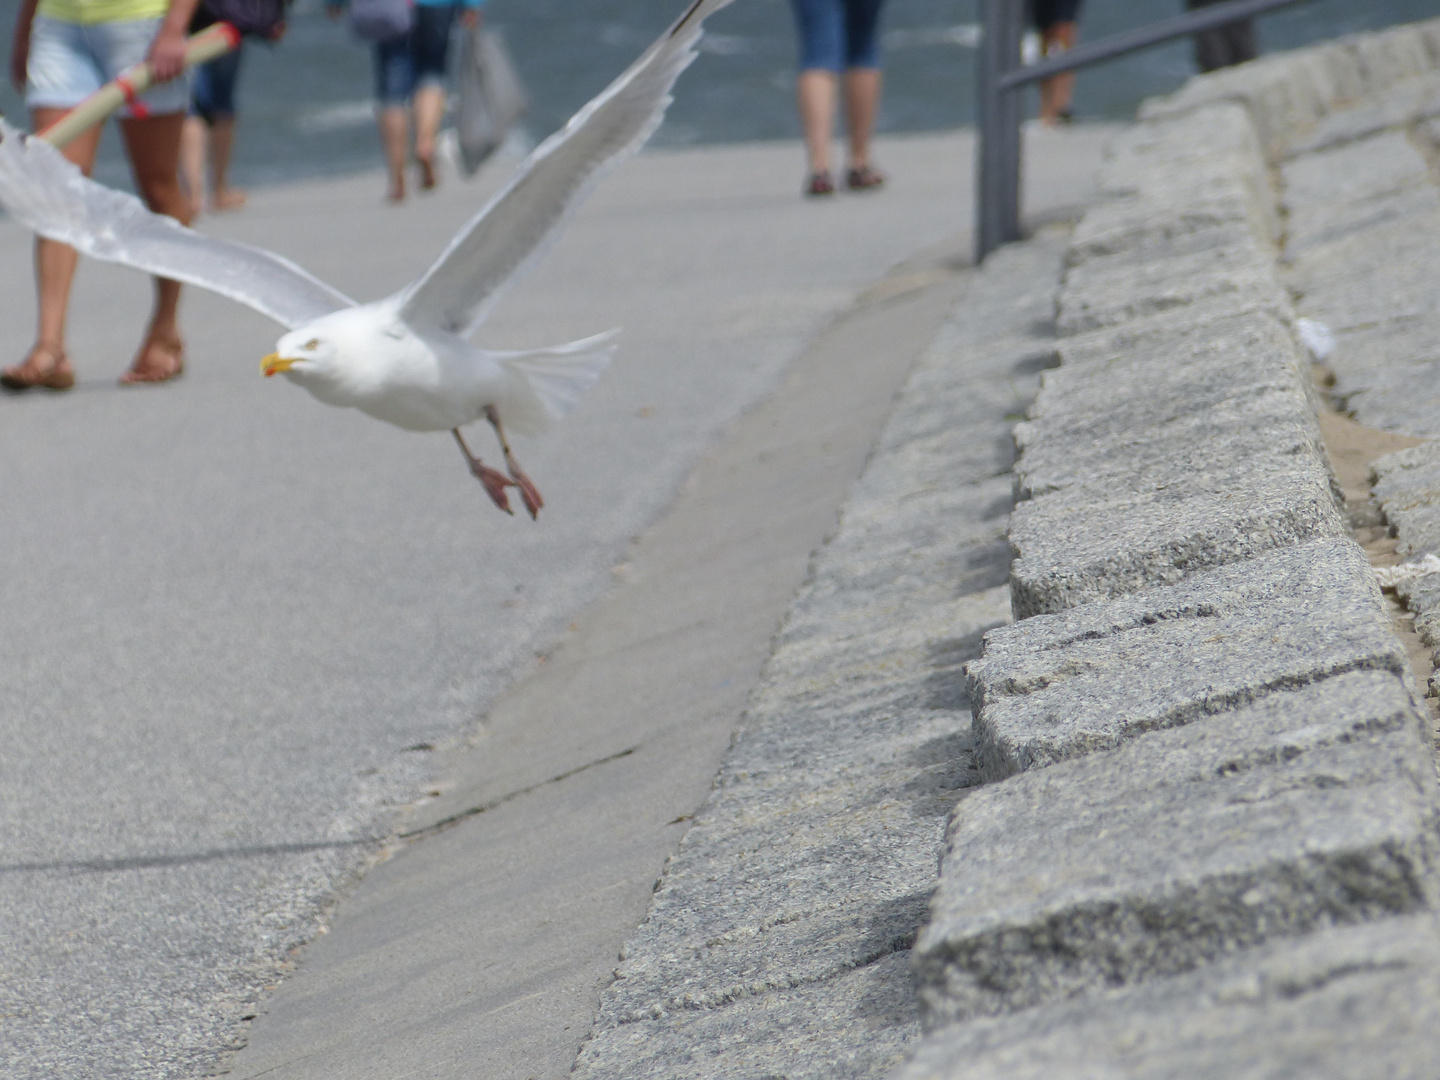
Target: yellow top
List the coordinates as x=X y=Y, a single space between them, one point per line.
x=102 y=11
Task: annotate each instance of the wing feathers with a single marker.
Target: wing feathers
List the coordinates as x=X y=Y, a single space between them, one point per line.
x=509 y=233
x=51 y=196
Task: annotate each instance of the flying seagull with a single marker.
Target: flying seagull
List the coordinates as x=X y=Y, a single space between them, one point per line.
x=404 y=359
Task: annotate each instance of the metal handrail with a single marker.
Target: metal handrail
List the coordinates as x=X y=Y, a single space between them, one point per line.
x=997 y=187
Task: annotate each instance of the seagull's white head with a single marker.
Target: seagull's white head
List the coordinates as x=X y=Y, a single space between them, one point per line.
x=310 y=353
x=341 y=354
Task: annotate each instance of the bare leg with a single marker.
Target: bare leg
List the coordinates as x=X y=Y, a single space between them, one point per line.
x=429 y=111
x=222 y=142
x=192 y=163
x=495 y=481
x=394 y=135
x=1056 y=92
x=529 y=493
x=154 y=145
x=862 y=102
x=815 y=92
x=46 y=363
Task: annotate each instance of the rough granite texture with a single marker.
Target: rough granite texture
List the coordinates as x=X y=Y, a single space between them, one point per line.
x=778 y=941
x=1226 y=866
x=1060 y=686
x=1306 y=809
x=1179 y=432
x=1349 y=1003
x=1362 y=218
x=1205 y=842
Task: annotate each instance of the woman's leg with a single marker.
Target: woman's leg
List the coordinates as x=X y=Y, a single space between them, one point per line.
x=815 y=93
x=862 y=87
x=394 y=80
x=429 y=51
x=194 y=139
x=862 y=102
x=394 y=124
x=429 y=110
x=1057 y=92
x=154 y=147
x=222 y=145
x=55 y=265
x=223 y=73
x=820 y=24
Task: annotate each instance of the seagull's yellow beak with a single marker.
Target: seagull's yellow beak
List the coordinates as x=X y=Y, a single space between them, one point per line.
x=275 y=363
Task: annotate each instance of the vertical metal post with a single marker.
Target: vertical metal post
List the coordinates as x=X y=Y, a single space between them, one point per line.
x=997 y=181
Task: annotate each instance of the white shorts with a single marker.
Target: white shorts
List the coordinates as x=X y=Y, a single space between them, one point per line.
x=70 y=61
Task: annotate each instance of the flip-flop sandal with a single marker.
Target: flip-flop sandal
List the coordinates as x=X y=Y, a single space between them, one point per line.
x=25 y=377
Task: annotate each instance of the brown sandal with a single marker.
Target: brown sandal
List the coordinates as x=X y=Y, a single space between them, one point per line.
x=57 y=376
x=176 y=349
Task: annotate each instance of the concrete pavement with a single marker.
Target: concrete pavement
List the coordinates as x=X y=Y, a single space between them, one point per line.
x=237 y=623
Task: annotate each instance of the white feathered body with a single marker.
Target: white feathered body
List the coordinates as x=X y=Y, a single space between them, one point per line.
x=368 y=358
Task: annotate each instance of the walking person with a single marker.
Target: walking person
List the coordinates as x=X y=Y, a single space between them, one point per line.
x=410 y=79
x=1057 y=22
x=63 y=51
x=208 y=137
x=1223 y=46
x=839 y=52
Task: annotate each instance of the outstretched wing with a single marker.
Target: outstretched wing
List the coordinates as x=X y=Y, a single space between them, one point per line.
x=495 y=246
x=42 y=189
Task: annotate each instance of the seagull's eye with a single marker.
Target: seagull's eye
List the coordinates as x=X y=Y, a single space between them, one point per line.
x=312 y=344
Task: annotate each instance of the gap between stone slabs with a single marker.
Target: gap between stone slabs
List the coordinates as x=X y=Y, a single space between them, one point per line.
x=481 y=949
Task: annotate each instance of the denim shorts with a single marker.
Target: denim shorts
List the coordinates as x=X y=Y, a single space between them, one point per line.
x=405 y=63
x=70 y=61
x=212 y=92
x=836 y=34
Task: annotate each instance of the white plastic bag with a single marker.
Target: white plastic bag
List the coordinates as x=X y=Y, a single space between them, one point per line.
x=491 y=97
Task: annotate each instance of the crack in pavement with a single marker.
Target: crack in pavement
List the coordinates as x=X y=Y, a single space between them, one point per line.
x=151 y=862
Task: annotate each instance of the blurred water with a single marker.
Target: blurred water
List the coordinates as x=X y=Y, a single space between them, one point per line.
x=306 y=109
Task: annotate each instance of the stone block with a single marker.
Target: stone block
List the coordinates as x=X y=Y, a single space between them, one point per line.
x=1379 y=165
x=1407 y=487
x=796 y=1036
x=1335 y=71
x=1164 y=329
x=1421 y=595
x=1429 y=31
x=1311 y=807
x=1237 y=383
x=1310 y=229
x=1384 y=274
x=1281 y=94
x=1106 y=291
x=1055 y=687
x=1401 y=343
x=1395 y=109
x=1349 y=1003
x=1096 y=541
x=1147 y=227
x=1389 y=56
x=1401 y=397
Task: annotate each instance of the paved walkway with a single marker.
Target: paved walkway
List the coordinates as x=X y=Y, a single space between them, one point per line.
x=236 y=621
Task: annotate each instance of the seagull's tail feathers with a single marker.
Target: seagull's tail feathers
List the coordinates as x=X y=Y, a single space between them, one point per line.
x=547 y=383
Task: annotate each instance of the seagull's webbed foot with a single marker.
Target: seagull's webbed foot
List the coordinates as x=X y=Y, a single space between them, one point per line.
x=494 y=481
x=529 y=493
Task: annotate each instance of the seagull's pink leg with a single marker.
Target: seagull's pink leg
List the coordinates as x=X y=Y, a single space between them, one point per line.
x=529 y=493
x=494 y=480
